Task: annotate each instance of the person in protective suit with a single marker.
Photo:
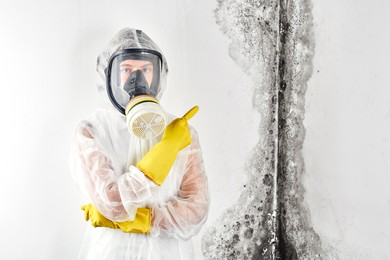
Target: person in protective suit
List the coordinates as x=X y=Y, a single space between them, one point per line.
x=140 y=167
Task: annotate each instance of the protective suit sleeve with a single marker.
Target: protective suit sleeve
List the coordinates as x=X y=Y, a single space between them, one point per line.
x=184 y=214
x=116 y=196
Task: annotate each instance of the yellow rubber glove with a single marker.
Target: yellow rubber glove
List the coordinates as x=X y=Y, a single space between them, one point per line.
x=157 y=163
x=140 y=224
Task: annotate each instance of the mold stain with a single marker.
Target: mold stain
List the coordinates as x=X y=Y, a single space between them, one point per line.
x=272 y=42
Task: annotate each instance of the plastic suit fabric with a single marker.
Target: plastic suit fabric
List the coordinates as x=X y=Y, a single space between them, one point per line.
x=102 y=161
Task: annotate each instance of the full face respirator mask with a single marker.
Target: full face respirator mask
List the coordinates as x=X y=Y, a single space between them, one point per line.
x=133 y=82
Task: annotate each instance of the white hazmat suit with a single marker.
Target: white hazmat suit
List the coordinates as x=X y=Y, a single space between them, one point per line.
x=103 y=159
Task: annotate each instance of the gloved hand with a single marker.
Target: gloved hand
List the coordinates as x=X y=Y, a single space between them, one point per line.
x=157 y=163
x=140 y=224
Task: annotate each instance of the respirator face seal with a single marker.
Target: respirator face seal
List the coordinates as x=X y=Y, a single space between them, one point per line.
x=130 y=73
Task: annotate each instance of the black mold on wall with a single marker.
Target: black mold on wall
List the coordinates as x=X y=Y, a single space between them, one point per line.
x=272 y=42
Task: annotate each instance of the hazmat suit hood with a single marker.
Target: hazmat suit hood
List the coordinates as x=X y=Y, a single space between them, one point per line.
x=127 y=38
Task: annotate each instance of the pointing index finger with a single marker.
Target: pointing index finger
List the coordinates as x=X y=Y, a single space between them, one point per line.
x=191 y=113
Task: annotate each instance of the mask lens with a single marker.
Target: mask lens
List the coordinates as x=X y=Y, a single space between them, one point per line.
x=134 y=74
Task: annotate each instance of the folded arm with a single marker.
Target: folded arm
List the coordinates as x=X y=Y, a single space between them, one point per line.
x=116 y=196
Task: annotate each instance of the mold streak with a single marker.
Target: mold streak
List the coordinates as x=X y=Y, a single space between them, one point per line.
x=272 y=42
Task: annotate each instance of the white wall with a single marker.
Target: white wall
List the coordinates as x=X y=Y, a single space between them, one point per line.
x=347 y=145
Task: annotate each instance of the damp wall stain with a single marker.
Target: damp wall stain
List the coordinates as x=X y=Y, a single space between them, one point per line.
x=273 y=43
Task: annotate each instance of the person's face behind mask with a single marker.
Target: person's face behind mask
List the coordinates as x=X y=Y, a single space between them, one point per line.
x=127 y=67
x=131 y=73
